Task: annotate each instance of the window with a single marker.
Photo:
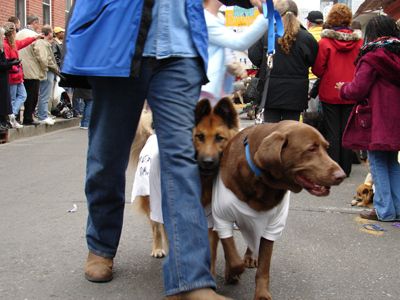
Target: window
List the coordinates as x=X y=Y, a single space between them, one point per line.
x=68 y=4
x=46 y=12
x=20 y=12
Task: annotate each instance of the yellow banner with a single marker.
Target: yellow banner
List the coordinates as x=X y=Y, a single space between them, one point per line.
x=231 y=20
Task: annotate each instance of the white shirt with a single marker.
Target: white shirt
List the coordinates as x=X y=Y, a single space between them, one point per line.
x=228 y=209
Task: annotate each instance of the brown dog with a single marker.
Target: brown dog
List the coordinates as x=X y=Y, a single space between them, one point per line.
x=364 y=196
x=288 y=156
x=214 y=128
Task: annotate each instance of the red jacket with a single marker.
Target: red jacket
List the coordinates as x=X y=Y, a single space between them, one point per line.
x=16 y=75
x=377 y=79
x=338 y=49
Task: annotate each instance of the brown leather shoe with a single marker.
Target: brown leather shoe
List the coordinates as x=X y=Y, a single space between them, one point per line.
x=200 y=294
x=98 y=268
x=369 y=214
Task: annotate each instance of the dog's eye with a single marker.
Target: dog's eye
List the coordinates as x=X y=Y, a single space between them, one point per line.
x=219 y=139
x=200 y=137
x=359 y=194
x=313 y=149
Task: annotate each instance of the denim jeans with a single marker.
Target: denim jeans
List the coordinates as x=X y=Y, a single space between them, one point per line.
x=45 y=92
x=172 y=88
x=78 y=106
x=385 y=170
x=86 y=112
x=18 y=96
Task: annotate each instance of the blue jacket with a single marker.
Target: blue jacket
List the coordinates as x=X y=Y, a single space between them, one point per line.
x=106 y=37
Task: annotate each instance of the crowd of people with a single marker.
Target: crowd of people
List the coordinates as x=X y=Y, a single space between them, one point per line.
x=32 y=60
x=172 y=56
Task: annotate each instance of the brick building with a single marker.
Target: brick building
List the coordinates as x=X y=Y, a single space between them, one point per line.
x=52 y=12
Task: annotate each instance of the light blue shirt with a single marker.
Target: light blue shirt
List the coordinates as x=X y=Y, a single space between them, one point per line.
x=169 y=34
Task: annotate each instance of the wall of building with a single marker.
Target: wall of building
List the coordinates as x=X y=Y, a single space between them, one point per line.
x=35 y=7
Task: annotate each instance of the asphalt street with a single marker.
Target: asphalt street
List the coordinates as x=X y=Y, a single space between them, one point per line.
x=324 y=253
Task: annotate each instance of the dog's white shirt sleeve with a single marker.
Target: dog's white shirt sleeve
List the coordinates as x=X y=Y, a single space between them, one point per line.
x=227 y=209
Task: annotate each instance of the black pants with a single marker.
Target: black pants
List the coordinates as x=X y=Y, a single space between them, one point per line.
x=32 y=87
x=336 y=117
x=275 y=115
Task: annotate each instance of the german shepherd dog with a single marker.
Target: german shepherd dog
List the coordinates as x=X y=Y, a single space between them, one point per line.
x=214 y=128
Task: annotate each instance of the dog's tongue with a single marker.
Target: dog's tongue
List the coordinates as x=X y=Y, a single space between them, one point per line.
x=312 y=187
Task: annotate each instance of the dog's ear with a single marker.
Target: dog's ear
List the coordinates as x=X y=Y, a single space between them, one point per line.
x=203 y=108
x=227 y=111
x=268 y=156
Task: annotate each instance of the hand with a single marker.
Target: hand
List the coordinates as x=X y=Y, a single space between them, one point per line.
x=258 y=3
x=16 y=62
x=39 y=36
x=237 y=69
x=339 y=85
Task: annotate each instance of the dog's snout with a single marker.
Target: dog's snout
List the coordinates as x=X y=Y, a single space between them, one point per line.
x=339 y=176
x=207 y=162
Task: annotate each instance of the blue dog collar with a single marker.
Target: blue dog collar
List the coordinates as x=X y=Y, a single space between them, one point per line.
x=255 y=170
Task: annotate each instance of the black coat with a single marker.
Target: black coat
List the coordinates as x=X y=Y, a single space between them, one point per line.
x=288 y=85
x=5 y=99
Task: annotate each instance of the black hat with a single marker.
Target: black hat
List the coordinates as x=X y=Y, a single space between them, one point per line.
x=315 y=16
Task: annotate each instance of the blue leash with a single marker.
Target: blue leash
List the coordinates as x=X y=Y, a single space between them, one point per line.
x=273 y=16
x=373 y=227
x=274 y=20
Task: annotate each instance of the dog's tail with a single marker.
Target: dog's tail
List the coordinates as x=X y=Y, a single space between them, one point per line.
x=144 y=130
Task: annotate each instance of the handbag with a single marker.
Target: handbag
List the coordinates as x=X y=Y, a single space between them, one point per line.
x=357 y=134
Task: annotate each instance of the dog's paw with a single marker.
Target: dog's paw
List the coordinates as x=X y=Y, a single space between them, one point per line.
x=233 y=272
x=232 y=279
x=249 y=262
x=355 y=202
x=158 y=253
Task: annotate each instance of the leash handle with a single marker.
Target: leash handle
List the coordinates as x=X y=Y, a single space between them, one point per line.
x=274 y=18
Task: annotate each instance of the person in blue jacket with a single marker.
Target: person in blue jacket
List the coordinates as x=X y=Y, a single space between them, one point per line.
x=129 y=51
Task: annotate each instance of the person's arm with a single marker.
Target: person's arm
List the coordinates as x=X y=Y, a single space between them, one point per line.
x=40 y=53
x=224 y=37
x=321 y=61
x=56 y=52
x=25 y=42
x=360 y=87
x=9 y=64
x=313 y=48
x=256 y=51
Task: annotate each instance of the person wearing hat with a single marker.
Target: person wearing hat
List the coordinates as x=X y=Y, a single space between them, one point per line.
x=57 y=45
x=315 y=19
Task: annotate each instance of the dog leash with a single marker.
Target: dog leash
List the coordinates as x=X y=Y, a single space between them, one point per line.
x=274 y=18
x=374 y=227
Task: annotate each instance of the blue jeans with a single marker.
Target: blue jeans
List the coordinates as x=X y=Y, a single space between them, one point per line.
x=18 y=96
x=45 y=92
x=385 y=170
x=172 y=88
x=86 y=112
x=78 y=105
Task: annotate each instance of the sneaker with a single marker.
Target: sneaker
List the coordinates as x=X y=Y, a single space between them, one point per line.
x=78 y=116
x=47 y=121
x=83 y=127
x=17 y=125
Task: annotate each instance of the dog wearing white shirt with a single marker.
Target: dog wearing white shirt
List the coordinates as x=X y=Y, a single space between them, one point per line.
x=258 y=168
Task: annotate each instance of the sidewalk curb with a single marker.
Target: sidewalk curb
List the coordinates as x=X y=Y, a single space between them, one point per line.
x=29 y=131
